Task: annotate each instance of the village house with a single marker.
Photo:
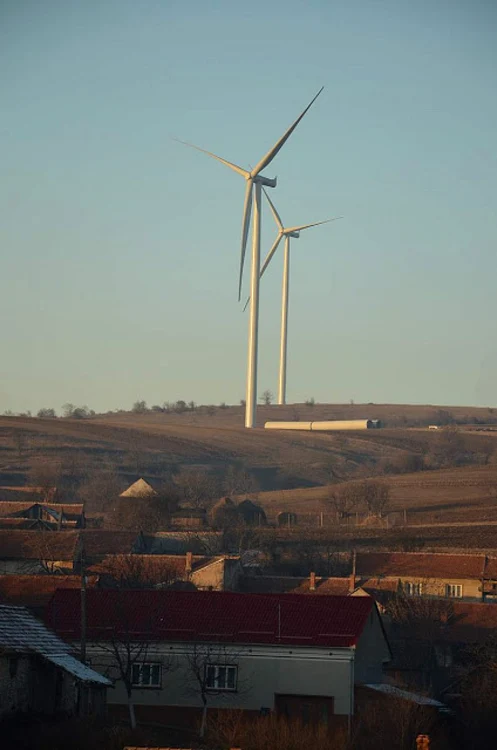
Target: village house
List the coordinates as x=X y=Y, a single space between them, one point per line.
x=23 y=552
x=96 y=544
x=39 y=675
x=202 y=542
x=300 y=656
x=311 y=584
x=41 y=516
x=432 y=652
x=432 y=574
x=219 y=573
x=182 y=518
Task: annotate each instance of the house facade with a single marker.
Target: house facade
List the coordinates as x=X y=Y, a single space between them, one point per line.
x=260 y=653
x=436 y=575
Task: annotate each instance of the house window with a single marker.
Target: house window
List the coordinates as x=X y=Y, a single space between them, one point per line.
x=443 y=655
x=221 y=677
x=453 y=590
x=413 y=588
x=146 y=675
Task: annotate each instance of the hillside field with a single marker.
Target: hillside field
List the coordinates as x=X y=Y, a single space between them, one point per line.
x=155 y=445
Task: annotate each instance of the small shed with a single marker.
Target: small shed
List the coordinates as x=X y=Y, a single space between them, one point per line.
x=285 y=519
x=251 y=513
x=39 y=673
x=224 y=512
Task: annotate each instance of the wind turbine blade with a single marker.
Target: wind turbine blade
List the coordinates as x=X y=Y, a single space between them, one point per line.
x=229 y=164
x=279 y=144
x=308 y=226
x=246 y=304
x=276 y=215
x=247 y=210
x=271 y=253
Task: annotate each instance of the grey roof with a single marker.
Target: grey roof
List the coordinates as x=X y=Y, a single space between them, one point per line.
x=395 y=692
x=24 y=634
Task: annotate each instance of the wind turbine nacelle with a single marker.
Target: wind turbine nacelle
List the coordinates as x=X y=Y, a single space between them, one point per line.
x=295 y=235
x=266 y=181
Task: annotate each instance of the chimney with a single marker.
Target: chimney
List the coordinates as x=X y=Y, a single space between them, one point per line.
x=312 y=582
x=188 y=563
x=352 y=580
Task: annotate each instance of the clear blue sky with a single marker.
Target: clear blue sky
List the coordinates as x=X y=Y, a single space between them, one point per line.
x=119 y=247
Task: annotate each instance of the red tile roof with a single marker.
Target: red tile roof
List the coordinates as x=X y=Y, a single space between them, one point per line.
x=98 y=542
x=37 y=590
x=153 y=568
x=422 y=564
x=213 y=616
x=294 y=585
x=36 y=545
x=491 y=568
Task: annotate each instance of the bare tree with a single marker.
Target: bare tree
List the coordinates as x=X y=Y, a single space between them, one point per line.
x=344 y=500
x=124 y=654
x=239 y=481
x=211 y=670
x=419 y=617
x=375 y=496
x=46 y=476
x=198 y=487
x=20 y=439
x=138 y=571
x=147 y=513
x=45 y=413
x=267 y=398
x=100 y=491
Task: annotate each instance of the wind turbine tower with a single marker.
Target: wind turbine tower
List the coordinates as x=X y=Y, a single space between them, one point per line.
x=290 y=232
x=254 y=183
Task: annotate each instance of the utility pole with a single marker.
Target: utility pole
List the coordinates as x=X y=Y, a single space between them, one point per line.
x=82 y=654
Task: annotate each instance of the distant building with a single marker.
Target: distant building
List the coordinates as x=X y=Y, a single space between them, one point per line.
x=469 y=577
x=138 y=489
x=41 y=516
x=23 y=552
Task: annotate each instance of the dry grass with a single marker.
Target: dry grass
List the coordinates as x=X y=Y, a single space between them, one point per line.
x=154 y=444
x=466 y=494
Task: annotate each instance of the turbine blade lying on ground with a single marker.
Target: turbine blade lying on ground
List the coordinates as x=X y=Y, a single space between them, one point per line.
x=229 y=164
x=247 y=210
x=308 y=226
x=268 y=158
x=276 y=215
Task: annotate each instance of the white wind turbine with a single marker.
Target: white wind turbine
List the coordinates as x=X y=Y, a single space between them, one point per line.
x=287 y=234
x=254 y=180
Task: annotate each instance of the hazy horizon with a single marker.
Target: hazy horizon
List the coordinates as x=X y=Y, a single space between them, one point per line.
x=120 y=247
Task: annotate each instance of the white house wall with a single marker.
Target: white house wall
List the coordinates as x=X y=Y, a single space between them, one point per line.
x=263 y=672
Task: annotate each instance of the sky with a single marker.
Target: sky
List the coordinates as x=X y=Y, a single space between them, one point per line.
x=119 y=247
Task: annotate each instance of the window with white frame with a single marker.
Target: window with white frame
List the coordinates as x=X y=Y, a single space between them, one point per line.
x=453 y=590
x=221 y=676
x=413 y=588
x=146 y=675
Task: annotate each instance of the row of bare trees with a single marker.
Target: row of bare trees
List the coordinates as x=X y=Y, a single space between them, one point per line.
x=371 y=496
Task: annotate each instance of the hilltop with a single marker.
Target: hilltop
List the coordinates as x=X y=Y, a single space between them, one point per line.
x=157 y=444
